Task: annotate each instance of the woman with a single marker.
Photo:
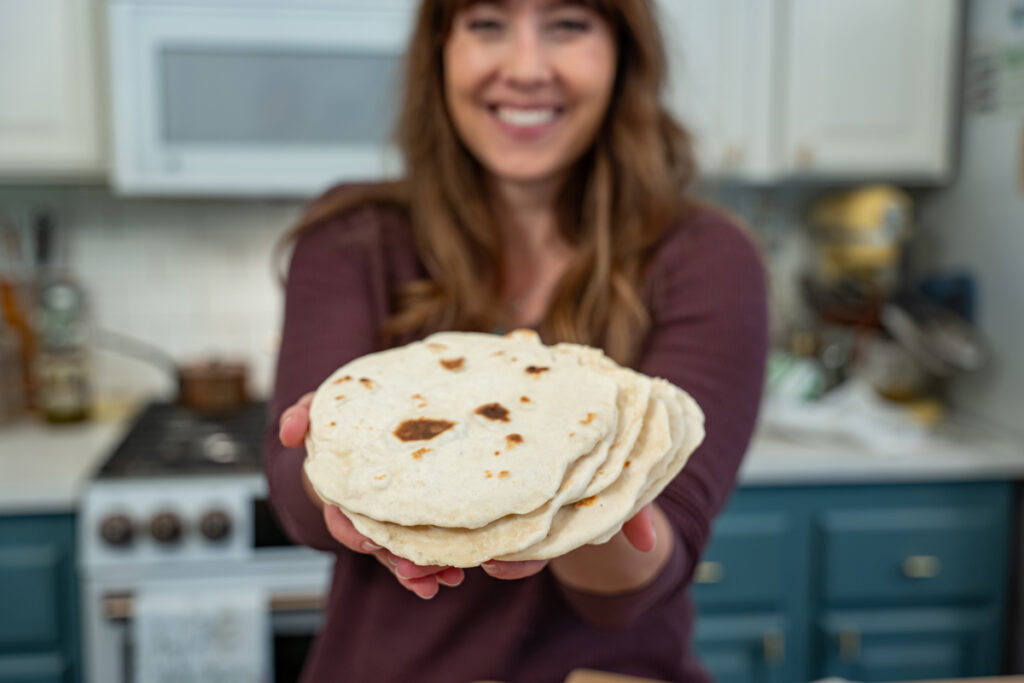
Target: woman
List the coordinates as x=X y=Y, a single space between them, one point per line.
x=544 y=188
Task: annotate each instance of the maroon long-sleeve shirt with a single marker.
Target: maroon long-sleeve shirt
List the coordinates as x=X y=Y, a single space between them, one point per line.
x=706 y=296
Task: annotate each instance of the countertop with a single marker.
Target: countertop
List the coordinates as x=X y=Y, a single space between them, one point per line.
x=43 y=468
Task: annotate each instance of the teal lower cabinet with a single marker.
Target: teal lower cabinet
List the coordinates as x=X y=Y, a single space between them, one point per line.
x=910 y=644
x=869 y=583
x=744 y=647
x=38 y=600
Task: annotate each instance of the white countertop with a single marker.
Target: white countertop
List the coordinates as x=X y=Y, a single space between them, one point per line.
x=42 y=468
x=957 y=452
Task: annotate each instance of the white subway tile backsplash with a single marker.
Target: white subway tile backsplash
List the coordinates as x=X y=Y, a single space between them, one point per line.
x=193 y=278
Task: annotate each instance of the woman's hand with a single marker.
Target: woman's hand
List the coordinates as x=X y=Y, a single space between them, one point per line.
x=423 y=581
x=638 y=532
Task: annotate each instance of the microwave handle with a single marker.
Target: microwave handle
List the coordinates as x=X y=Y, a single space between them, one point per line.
x=121 y=607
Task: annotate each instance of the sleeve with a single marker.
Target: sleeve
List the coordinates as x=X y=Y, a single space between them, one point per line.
x=331 y=298
x=709 y=337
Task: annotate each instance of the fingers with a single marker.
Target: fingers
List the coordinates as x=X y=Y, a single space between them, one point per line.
x=424 y=581
x=639 y=530
x=513 y=570
x=295 y=422
x=345 y=533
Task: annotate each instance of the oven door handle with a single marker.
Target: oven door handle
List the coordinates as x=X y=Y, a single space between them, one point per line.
x=121 y=607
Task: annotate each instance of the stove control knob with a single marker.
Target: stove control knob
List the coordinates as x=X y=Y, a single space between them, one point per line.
x=165 y=527
x=215 y=525
x=117 y=530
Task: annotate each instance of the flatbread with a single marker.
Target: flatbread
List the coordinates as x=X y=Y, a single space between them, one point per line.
x=458 y=430
x=634 y=395
x=578 y=523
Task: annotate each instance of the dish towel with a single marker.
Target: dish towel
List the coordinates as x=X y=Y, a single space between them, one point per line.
x=202 y=636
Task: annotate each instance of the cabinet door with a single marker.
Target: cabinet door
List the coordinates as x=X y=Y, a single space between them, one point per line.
x=722 y=77
x=49 y=124
x=746 y=648
x=39 y=595
x=901 y=645
x=869 y=87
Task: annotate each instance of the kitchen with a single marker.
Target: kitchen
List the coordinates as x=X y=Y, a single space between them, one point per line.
x=880 y=554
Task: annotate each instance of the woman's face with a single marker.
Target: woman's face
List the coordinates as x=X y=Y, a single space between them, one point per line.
x=527 y=83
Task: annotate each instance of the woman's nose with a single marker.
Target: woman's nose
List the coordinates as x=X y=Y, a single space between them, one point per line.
x=526 y=63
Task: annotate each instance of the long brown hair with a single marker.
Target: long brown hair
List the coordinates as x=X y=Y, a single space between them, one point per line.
x=613 y=206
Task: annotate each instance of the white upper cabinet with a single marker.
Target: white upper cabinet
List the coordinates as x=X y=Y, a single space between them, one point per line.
x=49 y=78
x=775 y=89
x=722 y=75
x=869 y=87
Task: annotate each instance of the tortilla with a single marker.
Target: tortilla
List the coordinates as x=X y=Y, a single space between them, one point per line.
x=458 y=430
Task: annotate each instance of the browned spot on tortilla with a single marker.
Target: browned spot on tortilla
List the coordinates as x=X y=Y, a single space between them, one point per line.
x=572 y=434
x=524 y=399
x=334 y=424
x=488 y=474
x=536 y=369
x=421 y=452
x=434 y=346
x=498 y=353
x=453 y=364
x=497 y=452
x=422 y=429
x=346 y=378
x=513 y=359
x=339 y=397
x=513 y=440
x=423 y=401
x=502 y=474
x=366 y=382
x=586 y=502
x=627 y=464
x=493 y=411
x=588 y=419
x=566 y=485
x=380 y=477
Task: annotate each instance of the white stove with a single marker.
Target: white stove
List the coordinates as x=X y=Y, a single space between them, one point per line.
x=181 y=505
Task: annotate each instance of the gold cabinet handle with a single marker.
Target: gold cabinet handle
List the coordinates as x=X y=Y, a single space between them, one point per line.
x=734 y=155
x=849 y=644
x=921 y=567
x=804 y=156
x=709 y=572
x=773 y=644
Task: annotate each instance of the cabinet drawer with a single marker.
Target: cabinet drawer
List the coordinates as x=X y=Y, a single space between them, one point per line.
x=746 y=560
x=910 y=554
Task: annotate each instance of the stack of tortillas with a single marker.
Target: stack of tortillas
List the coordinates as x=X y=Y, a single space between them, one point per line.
x=468 y=447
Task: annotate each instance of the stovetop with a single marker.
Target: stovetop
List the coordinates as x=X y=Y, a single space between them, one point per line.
x=169 y=440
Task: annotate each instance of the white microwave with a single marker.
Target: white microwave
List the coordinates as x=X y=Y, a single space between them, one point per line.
x=254 y=97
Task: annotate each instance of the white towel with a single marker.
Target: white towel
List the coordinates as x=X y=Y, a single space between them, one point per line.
x=202 y=636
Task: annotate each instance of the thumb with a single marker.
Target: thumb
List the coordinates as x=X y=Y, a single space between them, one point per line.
x=639 y=530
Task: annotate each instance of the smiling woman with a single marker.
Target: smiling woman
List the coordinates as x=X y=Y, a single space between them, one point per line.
x=528 y=87
x=544 y=187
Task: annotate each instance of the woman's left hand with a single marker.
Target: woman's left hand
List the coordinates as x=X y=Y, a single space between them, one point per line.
x=639 y=531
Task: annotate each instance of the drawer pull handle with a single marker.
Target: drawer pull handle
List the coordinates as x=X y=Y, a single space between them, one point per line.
x=922 y=567
x=774 y=646
x=849 y=644
x=709 y=572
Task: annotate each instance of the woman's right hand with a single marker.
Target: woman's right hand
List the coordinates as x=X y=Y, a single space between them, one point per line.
x=425 y=582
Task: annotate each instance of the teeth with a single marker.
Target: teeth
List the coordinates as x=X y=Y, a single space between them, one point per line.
x=525 y=117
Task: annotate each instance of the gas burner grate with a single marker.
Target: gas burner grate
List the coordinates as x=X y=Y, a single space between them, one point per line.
x=169 y=440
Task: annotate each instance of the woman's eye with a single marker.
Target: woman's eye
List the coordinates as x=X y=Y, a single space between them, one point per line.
x=484 y=25
x=569 y=26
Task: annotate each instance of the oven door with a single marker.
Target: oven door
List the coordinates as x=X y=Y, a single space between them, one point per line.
x=296 y=597
x=249 y=97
